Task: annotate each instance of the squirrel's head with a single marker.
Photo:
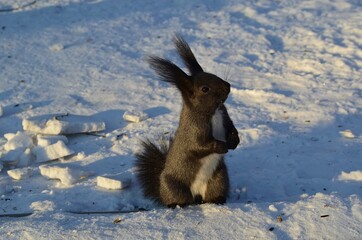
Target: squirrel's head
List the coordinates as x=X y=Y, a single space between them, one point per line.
x=201 y=91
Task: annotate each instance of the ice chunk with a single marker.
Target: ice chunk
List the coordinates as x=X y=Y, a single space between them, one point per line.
x=52 y=152
x=19 y=140
x=351 y=176
x=20 y=173
x=347 y=134
x=12 y=157
x=273 y=208
x=135 y=116
x=9 y=136
x=43 y=206
x=81 y=156
x=56 y=47
x=46 y=140
x=62 y=124
x=68 y=175
x=1 y=110
x=114 y=182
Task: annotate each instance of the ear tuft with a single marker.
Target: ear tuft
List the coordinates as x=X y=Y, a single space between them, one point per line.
x=186 y=55
x=170 y=73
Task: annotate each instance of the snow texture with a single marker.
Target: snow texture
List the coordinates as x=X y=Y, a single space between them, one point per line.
x=296 y=101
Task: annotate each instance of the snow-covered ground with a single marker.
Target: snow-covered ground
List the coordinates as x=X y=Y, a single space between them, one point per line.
x=296 y=100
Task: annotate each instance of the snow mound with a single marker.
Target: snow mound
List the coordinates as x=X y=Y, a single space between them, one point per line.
x=115 y=182
x=52 y=152
x=68 y=175
x=62 y=124
x=351 y=176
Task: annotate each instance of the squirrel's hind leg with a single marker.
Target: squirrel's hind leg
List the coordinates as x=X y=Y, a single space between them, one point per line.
x=218 y=186
x=173 y=192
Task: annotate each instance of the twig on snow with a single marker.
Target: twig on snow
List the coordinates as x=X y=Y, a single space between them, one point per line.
x=12 y=9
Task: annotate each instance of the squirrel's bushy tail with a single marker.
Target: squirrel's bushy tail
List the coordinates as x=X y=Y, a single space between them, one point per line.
x=150 y=164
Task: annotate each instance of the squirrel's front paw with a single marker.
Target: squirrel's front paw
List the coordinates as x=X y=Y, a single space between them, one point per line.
x=220 y=147
x=233 y=140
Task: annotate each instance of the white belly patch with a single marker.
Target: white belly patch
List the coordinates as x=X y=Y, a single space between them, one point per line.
x=208 y=166
x=210 y=162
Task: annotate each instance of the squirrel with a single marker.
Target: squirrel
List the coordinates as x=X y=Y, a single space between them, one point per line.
x=191 y=170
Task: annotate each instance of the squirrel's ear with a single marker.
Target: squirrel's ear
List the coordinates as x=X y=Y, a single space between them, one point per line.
x=172 y=74
x=186 y=55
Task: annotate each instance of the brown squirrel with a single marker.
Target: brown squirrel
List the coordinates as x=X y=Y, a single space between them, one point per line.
x=192 y=169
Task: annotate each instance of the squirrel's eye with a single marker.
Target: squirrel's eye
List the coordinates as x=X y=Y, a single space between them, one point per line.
x=205 y=89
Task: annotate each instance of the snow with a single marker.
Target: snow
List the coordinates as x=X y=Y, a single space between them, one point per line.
x=20 y=173
x=135 y=116
x=42 y=206
x=75 y=67
x=25 y=158
x=272 y=208
x=56 y=47
x=67 y=175
x=115 y=181
x=351 y=176
x=62 y=124
x=12 y=157
x=19 y=140
x=46 y=140
x=347 y=134
x=52 y=152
